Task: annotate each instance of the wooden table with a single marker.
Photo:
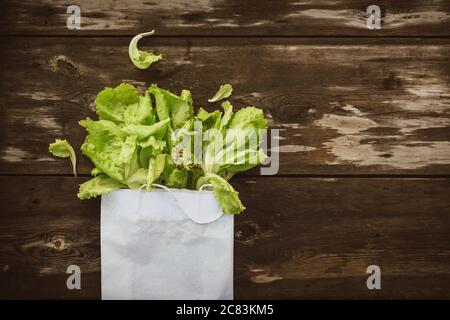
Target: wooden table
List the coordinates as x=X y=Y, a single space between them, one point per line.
x=364 y=156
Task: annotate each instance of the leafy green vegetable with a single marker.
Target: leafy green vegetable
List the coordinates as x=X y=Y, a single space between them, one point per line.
x=136 y=143
x=99 y=185
x=62 y=149
x=228 y=197
x=141 y=59
x=171 y=106
x=224 y=91
x=110 y=103
x=155 y=169
x=140 y=112
x=249 y=116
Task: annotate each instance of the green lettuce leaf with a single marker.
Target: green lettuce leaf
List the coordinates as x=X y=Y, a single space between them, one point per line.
x=95 y=172
x=225 y=194
x=178 y=178
x=99 y=185
x=140 y=112
x=141 y=59
x=210 y=120
x=170 y=106
x=249 y=116
x=144 y=132
x=63 y=149
x=138 y=179
x=110 y=103
x=108 y=147
x=224 y=91
x=227 y=115
x=155 y=169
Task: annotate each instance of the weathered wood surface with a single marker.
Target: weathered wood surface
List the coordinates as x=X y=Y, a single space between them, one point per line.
x=230 y=17
x=300 y=238
x=348 y=101
x=374 y=107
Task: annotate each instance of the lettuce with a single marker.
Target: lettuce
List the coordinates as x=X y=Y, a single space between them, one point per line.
x=155 y=169
x=141 y=59
x=224 y=91
x=99 y=185
x=142 y=139
x=171 y=106
x=228 y=197
x=63 y=149
x=110 y=103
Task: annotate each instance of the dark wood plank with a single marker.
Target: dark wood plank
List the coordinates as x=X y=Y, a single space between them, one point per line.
x=231 y=17
x=300 y=238
x=375 y=107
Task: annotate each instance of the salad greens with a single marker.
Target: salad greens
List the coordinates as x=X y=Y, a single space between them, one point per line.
x=63 y=149
x=141 y=59
x=224 y=91
x=156 y=137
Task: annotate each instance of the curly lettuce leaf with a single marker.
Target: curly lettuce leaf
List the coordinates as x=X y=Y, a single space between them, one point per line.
x=224 y=91
x=110 y=103
x=225 y=194
x=109 y=148
x=63 y=149
x=99 y=185
x=95 y=172
x=140 y=112
x=249 y=116
x=141 y=59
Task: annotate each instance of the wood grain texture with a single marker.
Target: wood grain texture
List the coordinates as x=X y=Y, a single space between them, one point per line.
x=375 y=107
x=286 y=244
x=230 y=17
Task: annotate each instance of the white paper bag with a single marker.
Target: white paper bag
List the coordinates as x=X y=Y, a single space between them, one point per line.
x=163 y=244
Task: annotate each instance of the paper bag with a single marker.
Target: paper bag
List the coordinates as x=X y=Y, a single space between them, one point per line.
x=164 y=244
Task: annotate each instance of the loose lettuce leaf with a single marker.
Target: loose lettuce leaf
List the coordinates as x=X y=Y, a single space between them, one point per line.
x=101 y=184
x=224 y=91
x=63 y=149
x=110 y=103
x=170 y=106
x=141 y=59
x=227 y=197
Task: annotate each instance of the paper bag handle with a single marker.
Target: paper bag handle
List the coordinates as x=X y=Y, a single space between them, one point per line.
x=178 y=204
